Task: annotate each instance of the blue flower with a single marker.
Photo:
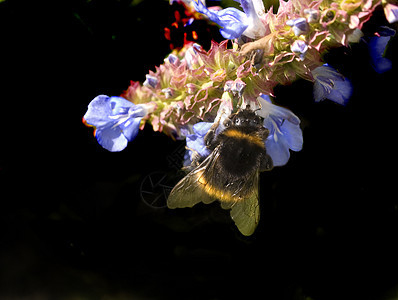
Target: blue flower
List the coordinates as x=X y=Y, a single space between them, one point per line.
x=299 y=25
x=330 y=84
x=312 y=15
x=115 y=119
x=300 y=48
x=196 y=141
x=390 y=11
x=284 y=131
x=253 y=10
x=377 y=47
x=234 y=22
x=151 y=81
x=231 y=20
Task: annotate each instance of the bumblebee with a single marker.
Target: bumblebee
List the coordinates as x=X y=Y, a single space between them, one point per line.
x=230 y=174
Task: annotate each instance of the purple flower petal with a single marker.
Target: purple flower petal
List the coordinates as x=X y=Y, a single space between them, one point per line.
x=130 y=128
x=299 y=25
x=98 y=111
x=201 y=128
x=196 y=141
x=278 y=150
x=341 y=92
x=284 y=131
x=300 y=48
x=116 y=121
x=119 y=105
x=111 y=138
x=255 y=28
x=151 y=81
x=377 y=47
x=391 y=12
x=330 y=84
x=312 y=15
x=232 y=21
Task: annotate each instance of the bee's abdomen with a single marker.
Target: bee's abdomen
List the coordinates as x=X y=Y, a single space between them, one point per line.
x=240 y=153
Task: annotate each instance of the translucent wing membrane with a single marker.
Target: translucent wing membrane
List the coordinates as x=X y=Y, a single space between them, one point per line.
x=198 y=186
x=246 y=211
x=191 y=190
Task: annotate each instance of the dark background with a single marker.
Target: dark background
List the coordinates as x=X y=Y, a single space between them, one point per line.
x=73 y=220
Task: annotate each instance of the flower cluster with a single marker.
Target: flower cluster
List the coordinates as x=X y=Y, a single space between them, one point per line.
x=193 y=87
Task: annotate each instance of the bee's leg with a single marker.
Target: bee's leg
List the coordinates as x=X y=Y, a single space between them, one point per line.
x=196 y=160
x=266 y=163
x=211 y=134
x=209 y=137
x=196 y=157
x=264 y=133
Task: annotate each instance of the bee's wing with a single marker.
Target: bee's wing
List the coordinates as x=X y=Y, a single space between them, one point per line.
x=246 y=211
x=191 y=190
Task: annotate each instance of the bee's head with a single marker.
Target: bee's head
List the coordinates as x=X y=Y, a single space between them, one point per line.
x=244 y=117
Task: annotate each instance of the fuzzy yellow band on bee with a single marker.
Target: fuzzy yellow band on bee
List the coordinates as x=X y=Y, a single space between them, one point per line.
x=241 y=135
x=211 y=190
